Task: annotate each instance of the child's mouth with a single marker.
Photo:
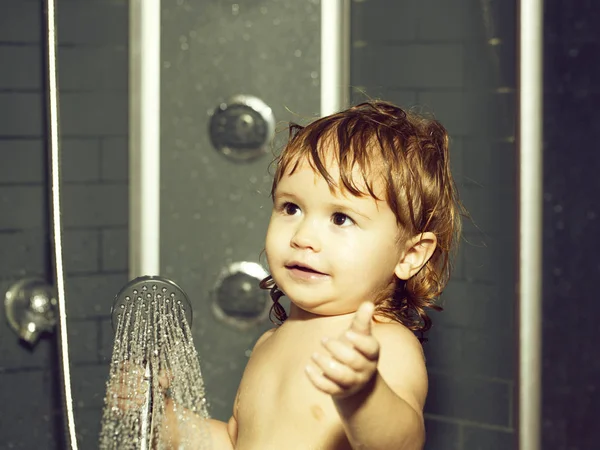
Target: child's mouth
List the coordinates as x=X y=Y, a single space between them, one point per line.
x=306 y=270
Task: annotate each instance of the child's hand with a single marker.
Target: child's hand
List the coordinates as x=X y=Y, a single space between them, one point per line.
x=352 y=359
x=127 y=389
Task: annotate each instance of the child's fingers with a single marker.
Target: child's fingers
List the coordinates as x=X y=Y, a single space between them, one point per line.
x=336 y=371
x=345 y=353
x=368 y=346
x=165 y=377
x=321 y=382
x=362 y=319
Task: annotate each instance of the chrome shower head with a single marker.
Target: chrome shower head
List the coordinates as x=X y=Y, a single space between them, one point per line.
x=147 y=289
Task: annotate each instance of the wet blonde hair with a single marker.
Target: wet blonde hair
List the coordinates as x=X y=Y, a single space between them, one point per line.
x=409 y=154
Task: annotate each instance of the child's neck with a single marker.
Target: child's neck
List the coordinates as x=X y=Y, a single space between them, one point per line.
x=298 y=314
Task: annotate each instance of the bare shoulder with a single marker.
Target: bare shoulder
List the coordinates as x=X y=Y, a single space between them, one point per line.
x=402 y=362
x=266 y=335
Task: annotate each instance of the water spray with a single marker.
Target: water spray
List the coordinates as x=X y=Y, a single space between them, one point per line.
x=151 y=317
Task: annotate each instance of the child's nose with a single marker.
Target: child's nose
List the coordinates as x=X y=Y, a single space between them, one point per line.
x=306 y=236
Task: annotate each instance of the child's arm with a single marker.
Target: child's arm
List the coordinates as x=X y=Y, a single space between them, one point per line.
x=176 y=436
x=379 y=397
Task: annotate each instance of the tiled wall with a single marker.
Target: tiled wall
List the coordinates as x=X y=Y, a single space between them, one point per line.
x=437 y=55
x=93 y=77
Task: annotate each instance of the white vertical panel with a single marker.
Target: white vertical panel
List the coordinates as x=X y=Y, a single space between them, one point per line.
x=335 y=55
x=144 y=138
x=530 y=221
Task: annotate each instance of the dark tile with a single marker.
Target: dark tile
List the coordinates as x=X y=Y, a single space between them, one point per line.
x=444 y=350
x=25 y=67
x=21 y=114
x=83 y=340
x=448 y=107
x=115 y=159
x=115 y=249
x=89 y=385
x=442 y=435
x=461 y=397
x=478 y=306
x=432 y=66
x=491 y=211
x=30 y=422
x=92 y=68
x=487 y=262
x=98 y=23
x=27 y=206
x=80 y=160
x=491 y=114
x=81 y=250
x=476 y=438
x=20 y=21
x=95 y=205
x=489 y=355
x=88 y=427
x=94 y=114
x=28 y=252
x=451 y=21
x=491 y=164
x=92 y=296
x=381 y=21
x=22 y=161
x=466 y=352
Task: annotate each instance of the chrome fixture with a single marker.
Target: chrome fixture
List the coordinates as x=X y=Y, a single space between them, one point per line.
x=237 y=298
x=242 y=128
x=31 y=309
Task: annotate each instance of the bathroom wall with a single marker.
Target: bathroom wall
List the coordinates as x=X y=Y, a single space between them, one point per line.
x=456 y=59
x=571 y=367
x=93 y=67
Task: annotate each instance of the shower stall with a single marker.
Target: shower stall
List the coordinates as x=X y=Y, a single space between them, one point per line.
x=169 y=114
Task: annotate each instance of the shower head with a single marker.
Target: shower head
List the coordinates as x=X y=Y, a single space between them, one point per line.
x=147 y=289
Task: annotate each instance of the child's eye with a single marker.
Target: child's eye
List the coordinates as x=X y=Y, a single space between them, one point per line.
x=341 y=219
x=290 y=208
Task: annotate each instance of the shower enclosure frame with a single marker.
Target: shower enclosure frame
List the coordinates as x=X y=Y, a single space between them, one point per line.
x=335 y=43
x=530 y=146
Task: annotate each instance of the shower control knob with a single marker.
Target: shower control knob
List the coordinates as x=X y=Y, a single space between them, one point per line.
x=242 y=128
x=237 y=298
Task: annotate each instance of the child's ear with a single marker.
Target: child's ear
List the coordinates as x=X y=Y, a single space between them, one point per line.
x=417 y=252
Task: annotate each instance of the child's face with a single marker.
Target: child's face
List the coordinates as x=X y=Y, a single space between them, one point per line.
x=328 y=252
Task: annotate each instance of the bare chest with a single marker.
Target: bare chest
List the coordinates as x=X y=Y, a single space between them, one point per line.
x=276 y=398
